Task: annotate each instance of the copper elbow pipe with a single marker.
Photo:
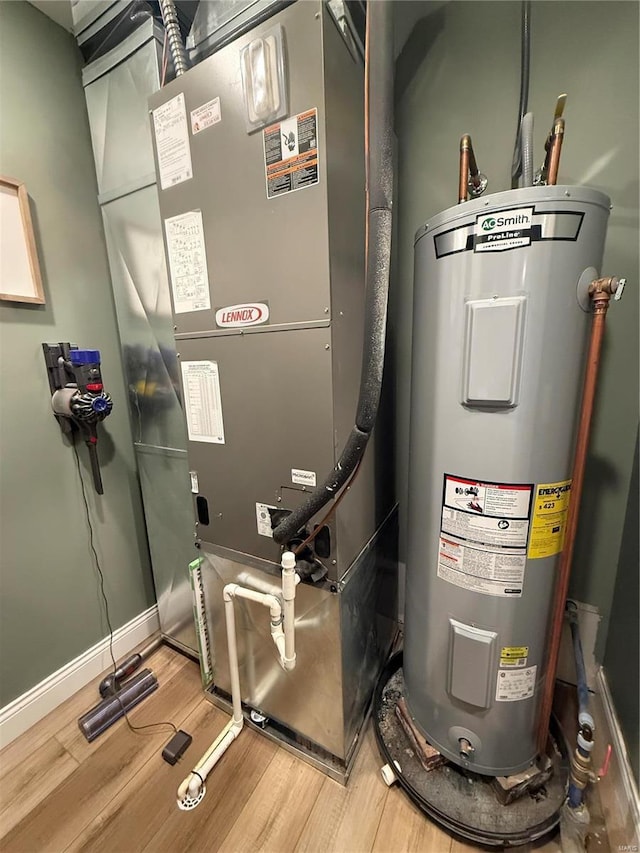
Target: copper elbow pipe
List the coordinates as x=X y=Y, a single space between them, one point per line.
x=555 y=148
x=600 y=292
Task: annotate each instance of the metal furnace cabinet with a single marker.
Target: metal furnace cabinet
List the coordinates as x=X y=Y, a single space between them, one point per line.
x=264 y=234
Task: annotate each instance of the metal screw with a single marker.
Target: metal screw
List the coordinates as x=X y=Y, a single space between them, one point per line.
x=177 y=355
x=326 y=346
x=326 y=310
x=197 y=523
x=334 y=562
x=567 y=193
x=279 y=500
x=219 y=515
x=175 y=328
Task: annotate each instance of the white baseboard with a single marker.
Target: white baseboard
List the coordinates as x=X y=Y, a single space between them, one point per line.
x=26 y=710
x=618 y=790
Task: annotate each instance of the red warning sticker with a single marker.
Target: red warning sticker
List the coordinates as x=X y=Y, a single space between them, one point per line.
x=484 y=531
x=291 y=154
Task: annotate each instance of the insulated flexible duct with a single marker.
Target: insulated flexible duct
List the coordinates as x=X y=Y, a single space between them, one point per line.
x=379 y=158
x=174 y=36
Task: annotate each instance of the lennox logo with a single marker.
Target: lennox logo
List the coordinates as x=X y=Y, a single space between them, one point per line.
x=249 y=314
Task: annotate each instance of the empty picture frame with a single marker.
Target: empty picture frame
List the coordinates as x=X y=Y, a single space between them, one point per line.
x=20 y=279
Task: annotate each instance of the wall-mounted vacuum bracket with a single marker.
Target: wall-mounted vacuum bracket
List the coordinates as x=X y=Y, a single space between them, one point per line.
x=78 y=398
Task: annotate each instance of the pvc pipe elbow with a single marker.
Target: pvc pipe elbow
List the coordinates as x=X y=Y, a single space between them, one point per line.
x=194 y=786
x=229 y=591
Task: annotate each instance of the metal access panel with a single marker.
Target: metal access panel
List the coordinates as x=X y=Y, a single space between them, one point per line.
x=271 y=403
x=343 y=637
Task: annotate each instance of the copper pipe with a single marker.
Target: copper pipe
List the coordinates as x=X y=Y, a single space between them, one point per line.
x=600 y=292
x=466 y=154
x=555 y=148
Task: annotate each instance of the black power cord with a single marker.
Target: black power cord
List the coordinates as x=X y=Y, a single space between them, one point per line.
x=135 y=729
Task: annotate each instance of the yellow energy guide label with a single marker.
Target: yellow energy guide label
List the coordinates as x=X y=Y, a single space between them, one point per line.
x=549 y=519
x=514 y=655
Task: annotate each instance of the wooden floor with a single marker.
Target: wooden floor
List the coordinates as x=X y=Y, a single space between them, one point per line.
x=60 y=793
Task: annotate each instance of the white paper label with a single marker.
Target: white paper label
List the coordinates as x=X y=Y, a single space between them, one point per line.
x=187 y=262
x=263 y=519
x=202 y=401
x=205 y=116
x=481 y=569
x=303 y=478
x=515 y=684
x=194 y=482
x=172 y=142
x=505 y=229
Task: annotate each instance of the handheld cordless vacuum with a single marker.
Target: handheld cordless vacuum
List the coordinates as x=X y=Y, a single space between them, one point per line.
x=78 y=398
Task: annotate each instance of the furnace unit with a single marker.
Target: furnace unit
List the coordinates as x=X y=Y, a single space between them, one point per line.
x=260 y=162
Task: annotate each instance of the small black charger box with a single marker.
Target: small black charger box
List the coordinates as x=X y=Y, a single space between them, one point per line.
x=176 y=747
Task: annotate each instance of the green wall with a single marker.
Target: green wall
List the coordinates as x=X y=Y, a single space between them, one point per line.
x=622 y=657
x=458 y=71
x=50 y=611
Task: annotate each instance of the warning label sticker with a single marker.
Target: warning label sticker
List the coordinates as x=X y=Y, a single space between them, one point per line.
x=205 y=116
x=514 y=685
x=507 y=229
x=480 y=569
x=514 y=655
x=484 y=531
x=291 y=154
x=550 y=508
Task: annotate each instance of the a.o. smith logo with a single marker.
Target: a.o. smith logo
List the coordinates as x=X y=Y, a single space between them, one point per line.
x=493 y=222
x=503 y=230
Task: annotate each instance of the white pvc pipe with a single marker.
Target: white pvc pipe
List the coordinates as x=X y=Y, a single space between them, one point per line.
x=284 y=639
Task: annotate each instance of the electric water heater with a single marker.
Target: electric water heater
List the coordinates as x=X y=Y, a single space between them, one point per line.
x=500 y=328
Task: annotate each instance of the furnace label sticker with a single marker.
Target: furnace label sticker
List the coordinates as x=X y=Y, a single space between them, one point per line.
x=505 y=229
x=172 y=142
x=291 y=154
x=187 y=262
x=203 y=401
x=484 y=531
x=263 y=520
x=303 y=478
x=511 y=656
x=205 y=116
x=516 y=684
x=549 y=522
